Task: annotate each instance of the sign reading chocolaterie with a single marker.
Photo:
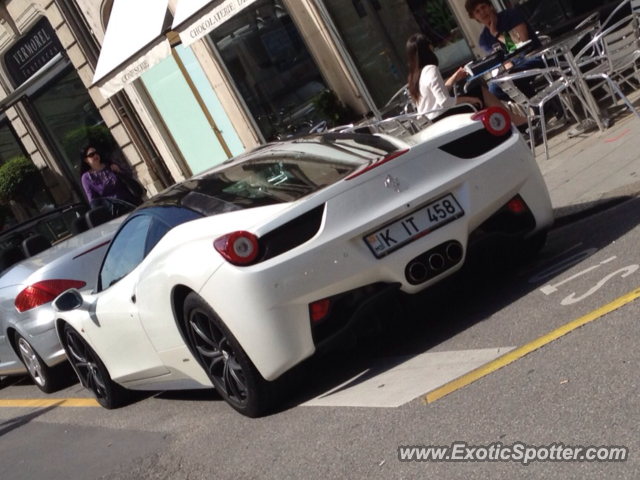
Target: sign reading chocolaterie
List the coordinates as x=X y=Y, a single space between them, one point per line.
x=222 y=12
x=32 y=51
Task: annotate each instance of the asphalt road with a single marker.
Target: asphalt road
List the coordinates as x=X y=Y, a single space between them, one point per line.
x=352 y=409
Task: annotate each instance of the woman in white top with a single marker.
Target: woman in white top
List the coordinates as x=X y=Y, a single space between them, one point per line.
x=430 y=91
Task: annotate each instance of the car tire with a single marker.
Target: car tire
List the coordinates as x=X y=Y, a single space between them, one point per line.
x=227 y=365
x=41 y=374
x=92 y=373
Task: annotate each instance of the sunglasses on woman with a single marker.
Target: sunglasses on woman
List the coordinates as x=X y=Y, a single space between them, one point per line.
x=92 y=154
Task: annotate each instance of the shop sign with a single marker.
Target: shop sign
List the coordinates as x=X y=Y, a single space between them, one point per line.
x=214 y=18
x=134 y=70
x=32 y=52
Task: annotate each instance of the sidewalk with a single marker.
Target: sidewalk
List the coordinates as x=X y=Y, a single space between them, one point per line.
x=595 y=169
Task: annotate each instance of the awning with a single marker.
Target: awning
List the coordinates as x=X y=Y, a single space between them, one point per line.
x=196 y=18
x=133 y=43
x=53 y=67
x=135 y=39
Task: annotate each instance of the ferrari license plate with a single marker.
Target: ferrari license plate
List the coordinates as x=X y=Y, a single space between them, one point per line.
x=413 y=226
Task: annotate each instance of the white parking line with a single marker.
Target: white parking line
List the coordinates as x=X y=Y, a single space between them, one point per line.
x=411 y=377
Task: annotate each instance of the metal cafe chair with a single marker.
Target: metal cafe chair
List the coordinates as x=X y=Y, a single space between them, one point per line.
x=595 y=18
x=596 y=51
x=559 y=84
x=635 y=10
x=621 y=6
x=591 y=26
x=621 y=48
x=400 y=103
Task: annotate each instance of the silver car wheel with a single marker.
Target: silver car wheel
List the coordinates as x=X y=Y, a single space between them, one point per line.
x=31 y=361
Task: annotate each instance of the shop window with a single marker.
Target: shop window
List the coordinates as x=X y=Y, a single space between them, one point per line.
x=71 y=121
x=361 y=10
x=211 y=101
x=377 y=39
x=10 y=147
x=40 y=199
x=271 y=67
x=184 y=116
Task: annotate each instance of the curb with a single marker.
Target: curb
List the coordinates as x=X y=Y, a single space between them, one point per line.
x=576 y=212
x=573 y=213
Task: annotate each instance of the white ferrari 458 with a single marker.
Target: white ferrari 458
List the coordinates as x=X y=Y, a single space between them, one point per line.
x=235 y=276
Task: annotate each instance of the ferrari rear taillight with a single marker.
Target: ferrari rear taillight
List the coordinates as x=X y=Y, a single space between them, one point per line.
x=43 y=292
x=496 y=120
x=238 y=248
x=382 y=161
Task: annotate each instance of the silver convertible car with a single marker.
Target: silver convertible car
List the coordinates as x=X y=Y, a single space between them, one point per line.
x=32 y=273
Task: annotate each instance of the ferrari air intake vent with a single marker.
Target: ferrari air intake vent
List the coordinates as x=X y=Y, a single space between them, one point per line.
x=475 y=144
x=292 y=234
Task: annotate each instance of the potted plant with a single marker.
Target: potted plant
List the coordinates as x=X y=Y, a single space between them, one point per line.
x=20 y=180
x=332 y=110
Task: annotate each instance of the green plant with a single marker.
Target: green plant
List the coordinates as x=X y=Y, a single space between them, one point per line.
x=97 y=136
x=19 y=181
x=332 y=110
x=440 y=16
x=5 y=215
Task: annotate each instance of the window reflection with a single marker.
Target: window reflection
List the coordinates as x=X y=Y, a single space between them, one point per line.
x=126 y=251
x=39 y=198
x=375 y=32
x=72 y=121
x=272 y=68
x=9 y=145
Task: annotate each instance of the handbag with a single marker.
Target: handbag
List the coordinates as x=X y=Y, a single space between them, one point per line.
x=134 y=186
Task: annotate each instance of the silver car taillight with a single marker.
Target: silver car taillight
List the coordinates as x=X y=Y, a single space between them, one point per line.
x=43 y=292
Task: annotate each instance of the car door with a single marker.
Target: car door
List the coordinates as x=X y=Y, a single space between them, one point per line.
x=114 y=328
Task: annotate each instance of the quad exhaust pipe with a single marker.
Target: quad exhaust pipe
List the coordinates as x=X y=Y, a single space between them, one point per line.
x=454 y=252
x=417 y=272
x=434 y=262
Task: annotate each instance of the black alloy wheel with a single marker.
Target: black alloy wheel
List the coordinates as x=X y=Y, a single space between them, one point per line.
x=227 y=365
x=91 y=371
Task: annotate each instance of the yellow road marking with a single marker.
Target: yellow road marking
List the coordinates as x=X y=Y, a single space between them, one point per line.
x=49 y=402
x=518 y=353
x=431 y=396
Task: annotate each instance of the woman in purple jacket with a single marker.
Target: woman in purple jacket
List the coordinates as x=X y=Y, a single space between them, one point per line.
x=100 y=182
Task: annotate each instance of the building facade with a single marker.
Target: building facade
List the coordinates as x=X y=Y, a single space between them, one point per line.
x=260 y=75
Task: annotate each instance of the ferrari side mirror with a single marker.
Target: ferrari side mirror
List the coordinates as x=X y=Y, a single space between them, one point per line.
x=68 y=300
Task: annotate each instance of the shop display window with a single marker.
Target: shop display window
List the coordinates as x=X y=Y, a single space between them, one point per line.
x=71 y=121
x=10 y=147
x=184 y=116
x=375 y=33
x=40 y=198
x=272 y=68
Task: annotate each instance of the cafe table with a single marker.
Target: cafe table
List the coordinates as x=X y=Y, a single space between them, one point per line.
x=495 y=68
